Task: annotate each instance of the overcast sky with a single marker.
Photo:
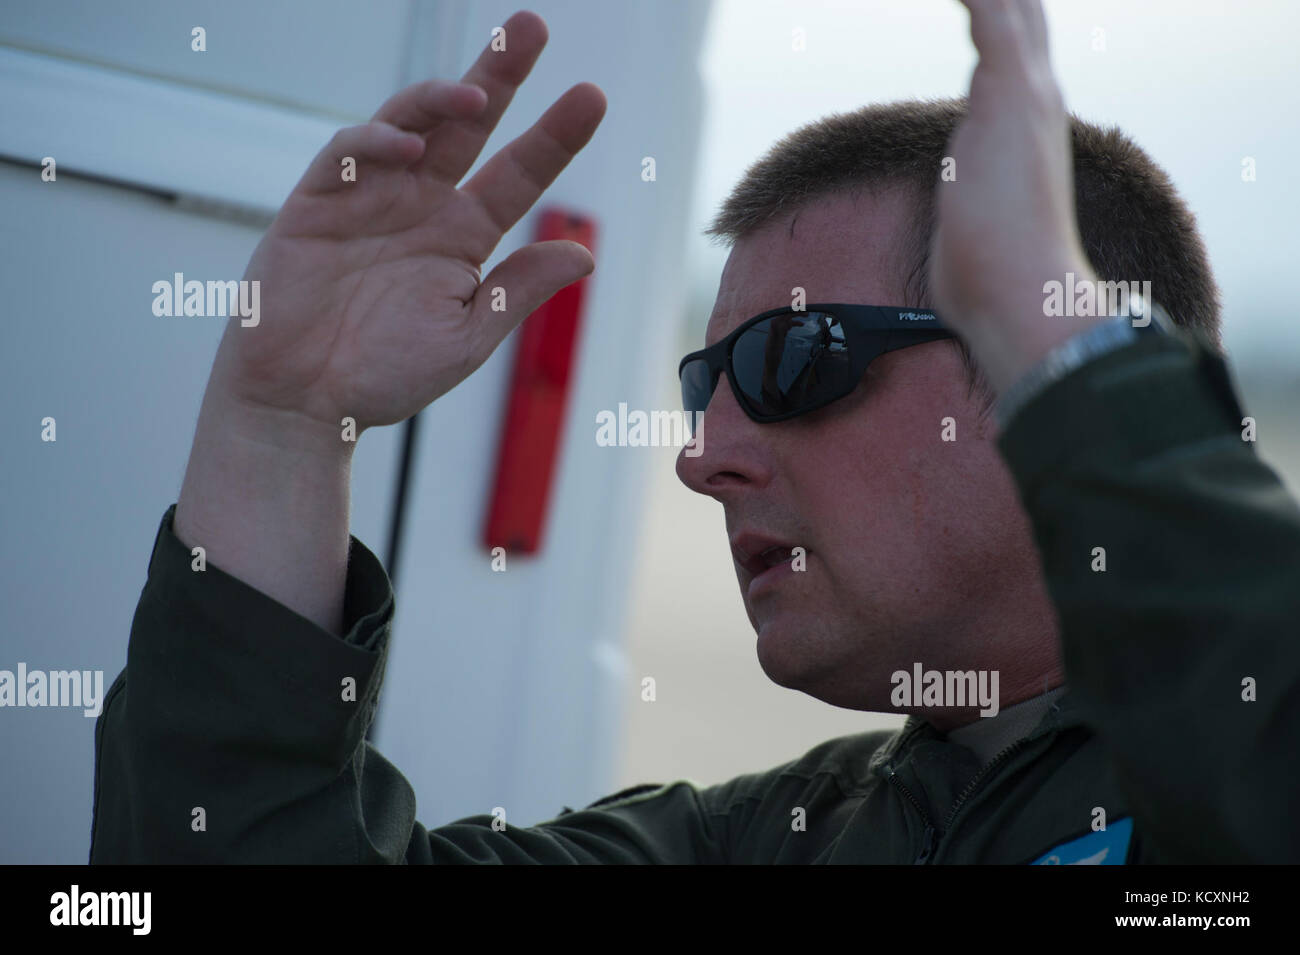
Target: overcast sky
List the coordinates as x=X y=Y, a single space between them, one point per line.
x=1199 y=84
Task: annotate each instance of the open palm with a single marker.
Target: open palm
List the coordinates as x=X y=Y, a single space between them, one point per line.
x=371 y=299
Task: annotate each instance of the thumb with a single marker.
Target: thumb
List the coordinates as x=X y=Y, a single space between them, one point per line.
x=524 y=280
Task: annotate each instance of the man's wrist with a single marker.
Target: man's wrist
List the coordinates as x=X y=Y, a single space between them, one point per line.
x=1007 y=354
x=1011 y=340
x=1088 y=344
x=1009 y=333
x=265 y=494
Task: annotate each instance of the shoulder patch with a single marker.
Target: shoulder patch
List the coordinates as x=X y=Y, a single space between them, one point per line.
x=1108 y=847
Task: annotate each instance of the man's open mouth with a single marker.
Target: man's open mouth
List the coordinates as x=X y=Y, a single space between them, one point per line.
x=758 y=553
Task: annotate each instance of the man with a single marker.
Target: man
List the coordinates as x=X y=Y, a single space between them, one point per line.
x=1121 y=534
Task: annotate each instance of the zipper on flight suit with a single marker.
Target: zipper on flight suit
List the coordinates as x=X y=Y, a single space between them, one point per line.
x=966 y=793
x=931 y=837
x=928 y=838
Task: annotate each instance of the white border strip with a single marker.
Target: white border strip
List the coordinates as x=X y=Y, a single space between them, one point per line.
x=214 y=148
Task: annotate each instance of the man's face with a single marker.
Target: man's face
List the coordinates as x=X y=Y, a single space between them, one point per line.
x=916 y=548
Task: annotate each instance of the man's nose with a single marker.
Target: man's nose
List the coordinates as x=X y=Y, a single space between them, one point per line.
x=728 y=450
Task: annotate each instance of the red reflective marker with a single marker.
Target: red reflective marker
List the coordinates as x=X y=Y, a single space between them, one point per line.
x=539 y=393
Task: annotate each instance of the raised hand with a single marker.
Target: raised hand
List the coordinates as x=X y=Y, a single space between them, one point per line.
x=370 y=308
x=1007 y=223
x=371 y=297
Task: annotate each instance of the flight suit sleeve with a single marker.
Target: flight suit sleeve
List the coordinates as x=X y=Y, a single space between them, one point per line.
x=1172 y=555
x=236 y=733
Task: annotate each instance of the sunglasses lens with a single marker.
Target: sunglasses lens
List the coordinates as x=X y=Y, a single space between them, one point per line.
x=792 y=361
x=697 y=390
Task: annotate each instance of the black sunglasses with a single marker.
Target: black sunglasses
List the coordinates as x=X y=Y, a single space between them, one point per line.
x=787 y=362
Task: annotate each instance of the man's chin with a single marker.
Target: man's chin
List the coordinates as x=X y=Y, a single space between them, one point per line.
x=785 y=652
x=795 y=653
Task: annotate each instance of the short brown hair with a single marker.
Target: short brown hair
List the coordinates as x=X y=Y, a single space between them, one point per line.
x=1133 y=224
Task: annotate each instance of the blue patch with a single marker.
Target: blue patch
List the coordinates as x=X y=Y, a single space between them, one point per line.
x=1109 y=847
